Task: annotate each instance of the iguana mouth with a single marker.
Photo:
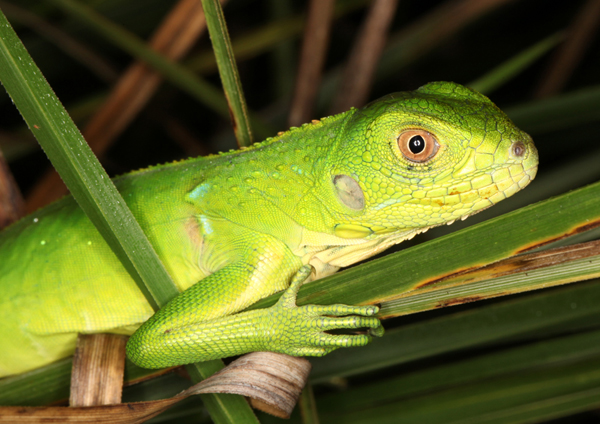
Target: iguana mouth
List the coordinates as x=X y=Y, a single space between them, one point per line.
x=466 y=201
x=526 y=177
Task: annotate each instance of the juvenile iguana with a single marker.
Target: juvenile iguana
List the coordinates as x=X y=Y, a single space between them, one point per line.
x=236 y=227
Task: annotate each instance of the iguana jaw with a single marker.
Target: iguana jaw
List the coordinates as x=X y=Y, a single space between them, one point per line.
x=478 y=199
x=352 y=243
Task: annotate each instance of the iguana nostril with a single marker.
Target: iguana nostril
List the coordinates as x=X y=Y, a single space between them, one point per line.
x=518 y=149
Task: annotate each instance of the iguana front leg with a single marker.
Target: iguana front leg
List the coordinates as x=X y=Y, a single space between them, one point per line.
x=202 y=324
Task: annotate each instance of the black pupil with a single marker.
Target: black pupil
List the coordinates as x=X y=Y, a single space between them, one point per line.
x=416 y=144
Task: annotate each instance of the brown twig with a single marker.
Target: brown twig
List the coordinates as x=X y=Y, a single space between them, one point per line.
x=174 y=38
x=312 y=58
x=567 y=57
x=360 y=69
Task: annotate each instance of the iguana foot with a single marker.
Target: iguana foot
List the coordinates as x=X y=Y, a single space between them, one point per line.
x=301 y=330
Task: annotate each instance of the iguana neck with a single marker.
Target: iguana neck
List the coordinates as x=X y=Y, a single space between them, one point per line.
x=292 y=181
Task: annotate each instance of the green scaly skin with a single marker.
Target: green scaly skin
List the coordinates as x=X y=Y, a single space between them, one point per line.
x=236 y=227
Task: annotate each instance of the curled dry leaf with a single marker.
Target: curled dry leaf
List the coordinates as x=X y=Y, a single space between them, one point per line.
x=273 y=381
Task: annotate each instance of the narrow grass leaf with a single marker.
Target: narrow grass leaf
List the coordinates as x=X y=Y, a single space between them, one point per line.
x=228 y=71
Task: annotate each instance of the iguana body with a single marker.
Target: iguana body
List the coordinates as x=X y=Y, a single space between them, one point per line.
x=236 y=227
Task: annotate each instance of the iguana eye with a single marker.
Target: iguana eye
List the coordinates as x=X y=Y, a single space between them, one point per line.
x=417 y=145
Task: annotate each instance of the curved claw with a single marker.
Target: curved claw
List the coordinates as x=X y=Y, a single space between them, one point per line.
x=377 y=331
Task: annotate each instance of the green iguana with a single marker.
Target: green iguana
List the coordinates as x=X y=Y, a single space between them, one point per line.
x=236 y=227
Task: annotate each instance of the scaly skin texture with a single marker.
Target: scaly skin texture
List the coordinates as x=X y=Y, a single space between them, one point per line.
x=236 y=227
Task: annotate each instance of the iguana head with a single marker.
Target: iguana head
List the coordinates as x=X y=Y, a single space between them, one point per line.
x=423 y=158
